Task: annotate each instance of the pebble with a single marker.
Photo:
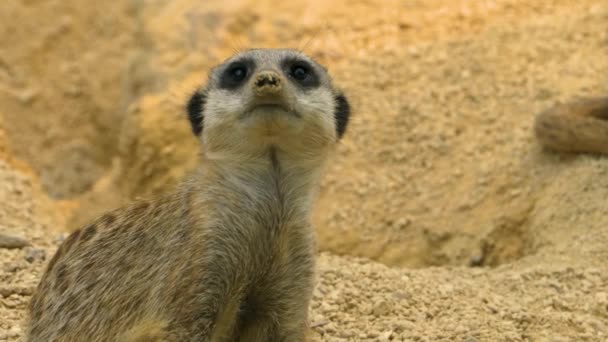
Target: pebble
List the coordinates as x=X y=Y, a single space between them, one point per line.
x=12 y=267
x=20 y=290
x=12 y=241
x=35 y=254
x=381 y=308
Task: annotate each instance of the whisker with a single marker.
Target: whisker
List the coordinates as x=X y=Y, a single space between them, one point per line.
x=242 y=47
x=302 y=49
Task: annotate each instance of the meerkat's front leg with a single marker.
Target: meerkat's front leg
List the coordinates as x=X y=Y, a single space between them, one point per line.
x=278 y=310
x=281 y=325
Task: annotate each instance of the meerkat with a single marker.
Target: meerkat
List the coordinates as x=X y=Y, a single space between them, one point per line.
x=580 y=126
x=229 y=254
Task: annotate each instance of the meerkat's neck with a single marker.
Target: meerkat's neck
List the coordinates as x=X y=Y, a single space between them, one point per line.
x=274 y=183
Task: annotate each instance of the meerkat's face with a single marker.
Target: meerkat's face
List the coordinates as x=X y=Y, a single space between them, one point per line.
x=268 y=98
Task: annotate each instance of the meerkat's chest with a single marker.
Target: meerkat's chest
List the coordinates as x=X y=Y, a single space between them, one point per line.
x=263 y=225
x=270 y=234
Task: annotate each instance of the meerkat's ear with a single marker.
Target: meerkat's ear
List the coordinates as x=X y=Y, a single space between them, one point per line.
x=195 y=109
x=341 y=114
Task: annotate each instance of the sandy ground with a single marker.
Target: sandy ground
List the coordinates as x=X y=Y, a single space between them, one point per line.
x=441 y=218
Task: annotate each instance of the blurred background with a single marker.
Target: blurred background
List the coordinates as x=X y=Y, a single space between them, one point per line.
x=439 y=166
x=439 y=163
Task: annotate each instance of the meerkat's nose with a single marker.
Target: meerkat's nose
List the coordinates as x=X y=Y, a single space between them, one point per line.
x=267 y=83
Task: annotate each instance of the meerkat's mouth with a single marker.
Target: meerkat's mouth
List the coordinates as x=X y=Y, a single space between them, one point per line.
x=269 y=109
x=269 y=106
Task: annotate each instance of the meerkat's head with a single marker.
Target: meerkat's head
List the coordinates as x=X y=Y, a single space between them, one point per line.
x=268 y=98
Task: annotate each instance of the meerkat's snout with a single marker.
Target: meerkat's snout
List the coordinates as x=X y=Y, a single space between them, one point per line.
x=269 y=93
x=267 y=83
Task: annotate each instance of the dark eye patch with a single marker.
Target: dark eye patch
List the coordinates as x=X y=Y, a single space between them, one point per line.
x=236 y=73
x=342 y=114
x=195 y=108
x=301 y=73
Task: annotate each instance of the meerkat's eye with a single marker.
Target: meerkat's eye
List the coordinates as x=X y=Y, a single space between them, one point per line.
x=302 y=72
x=238 y=73
x=235 y=74
x=299 y=72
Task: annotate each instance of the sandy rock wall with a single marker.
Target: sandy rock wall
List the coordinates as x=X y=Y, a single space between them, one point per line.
x=63 y=85
x=439 y=165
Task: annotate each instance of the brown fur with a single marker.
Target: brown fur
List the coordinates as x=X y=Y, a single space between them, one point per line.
x=227 y=256
x=577 y=127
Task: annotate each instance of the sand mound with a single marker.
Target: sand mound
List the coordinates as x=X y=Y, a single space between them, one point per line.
x=560 y=294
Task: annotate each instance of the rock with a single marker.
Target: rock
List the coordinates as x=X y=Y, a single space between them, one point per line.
x=12 y=267
x=381 y=308
x=35 y=254
x=20 y=290
x=11 y=241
